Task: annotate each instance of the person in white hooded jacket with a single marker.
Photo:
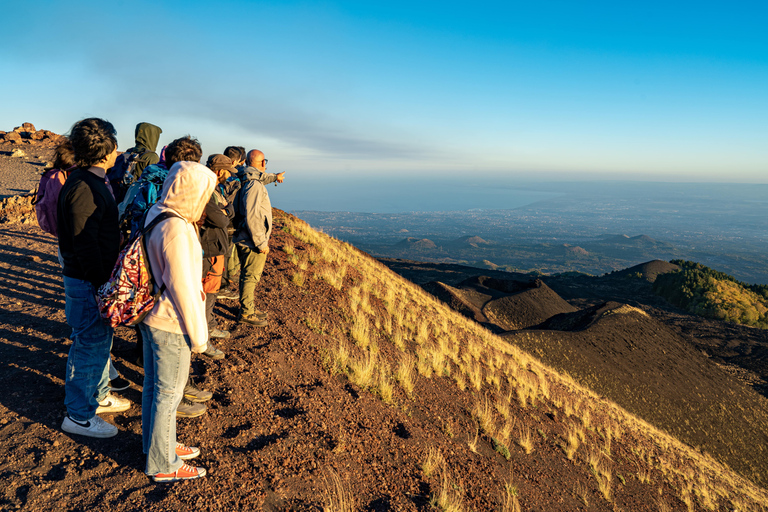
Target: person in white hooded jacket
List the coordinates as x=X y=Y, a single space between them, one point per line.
x=176 y=326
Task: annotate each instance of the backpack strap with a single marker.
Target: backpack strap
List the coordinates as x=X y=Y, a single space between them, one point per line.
x=144 y=234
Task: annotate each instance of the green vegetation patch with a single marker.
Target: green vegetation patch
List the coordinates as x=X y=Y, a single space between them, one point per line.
x=702 y=291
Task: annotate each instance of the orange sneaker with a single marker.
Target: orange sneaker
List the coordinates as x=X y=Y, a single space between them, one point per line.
x=185 y=472
x=186 y=452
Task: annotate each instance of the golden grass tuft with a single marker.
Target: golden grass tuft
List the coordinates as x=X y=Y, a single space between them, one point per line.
x=360 y=330
x=509 y=501
x=449 y=497
x=337 y=496
x=433 y=462
x=572 y=442
x=298 y=279
x=405 y=374
x=525 y=440
x=363 y=370
x=385 y=387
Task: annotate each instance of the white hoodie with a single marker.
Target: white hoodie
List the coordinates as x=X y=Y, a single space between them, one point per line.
x=175 y=255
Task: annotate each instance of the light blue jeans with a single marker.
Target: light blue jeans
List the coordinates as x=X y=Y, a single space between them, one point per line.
x=87 y=377
x=166 y=369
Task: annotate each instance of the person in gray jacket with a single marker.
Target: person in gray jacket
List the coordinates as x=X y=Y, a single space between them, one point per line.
x=253 y=212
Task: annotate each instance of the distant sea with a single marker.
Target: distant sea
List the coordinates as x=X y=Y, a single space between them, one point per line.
x=400 y=196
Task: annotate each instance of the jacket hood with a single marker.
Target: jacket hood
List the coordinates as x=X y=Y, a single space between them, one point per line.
x=147 y=136
x=249 y=173
x=186 y=191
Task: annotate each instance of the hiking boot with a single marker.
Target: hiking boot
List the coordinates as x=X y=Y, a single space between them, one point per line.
x=189 y=409
x=95 y=427
x=218 y=333
x=253 y=320
x=213 y=352
x=186 y=452
x=119 y=384
x=185 y=472
x=113 y=403
x=261 y=315
x=195 y=394
x=228 y=294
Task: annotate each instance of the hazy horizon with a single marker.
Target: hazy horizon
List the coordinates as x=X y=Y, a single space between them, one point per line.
x=372 y=194
x=654 y=91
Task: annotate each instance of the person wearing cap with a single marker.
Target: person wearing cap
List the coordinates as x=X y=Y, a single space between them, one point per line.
x=252 y=234
x=214 y=238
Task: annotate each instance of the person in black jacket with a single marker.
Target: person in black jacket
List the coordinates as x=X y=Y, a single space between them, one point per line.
x=89 y=242
x=214 y=238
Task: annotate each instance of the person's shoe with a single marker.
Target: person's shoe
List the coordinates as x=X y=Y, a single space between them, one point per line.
x=95 y=427
x=119 y=384
x=113 y=403
x=218 y=333
x=261 y=315
x=185 y=472
x=189 y=409
x=213 y=352
x=186 y=452
x=227 y=294
x=195 y=394
x=253 y=320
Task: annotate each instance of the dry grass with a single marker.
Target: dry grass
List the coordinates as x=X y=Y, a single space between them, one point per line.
x=385 y=387
x=360 y=330
x=480 y=362
x=450 y=496
x=602 y=473
x=405 y=374
x=289 y=248
x=433 y=462
x=572 y=442
x=525 y=440
x=509 y=501
x=337 y=496
x=363 y=370
x=298 y=279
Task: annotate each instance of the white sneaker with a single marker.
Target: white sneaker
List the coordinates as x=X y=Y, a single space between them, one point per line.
x=95 y=427
x=113 y=403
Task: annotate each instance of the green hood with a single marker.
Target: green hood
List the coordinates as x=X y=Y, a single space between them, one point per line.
x=147 y=136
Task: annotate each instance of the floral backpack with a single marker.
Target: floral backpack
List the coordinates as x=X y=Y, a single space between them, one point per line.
x=128 y=295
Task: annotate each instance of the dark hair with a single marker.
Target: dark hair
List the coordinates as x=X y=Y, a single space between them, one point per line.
x=92 y=140
x=185 y=149
x=63 y=156
x=235 y=153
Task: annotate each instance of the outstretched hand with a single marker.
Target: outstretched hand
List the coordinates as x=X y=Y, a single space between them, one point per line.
x=280 y=177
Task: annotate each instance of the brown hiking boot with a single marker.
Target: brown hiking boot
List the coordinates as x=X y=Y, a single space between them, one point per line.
x=253 y=320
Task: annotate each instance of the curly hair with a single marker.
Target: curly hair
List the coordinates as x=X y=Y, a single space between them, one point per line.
x=92 y=140
x=185 y=149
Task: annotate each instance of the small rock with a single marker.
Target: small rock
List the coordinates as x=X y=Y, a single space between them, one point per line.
x=13 y=138
x=18 y=153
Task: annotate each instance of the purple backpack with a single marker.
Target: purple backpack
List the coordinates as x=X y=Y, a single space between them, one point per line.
x=47 y=198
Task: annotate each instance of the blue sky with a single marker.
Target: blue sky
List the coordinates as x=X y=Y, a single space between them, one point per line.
x=529 y=90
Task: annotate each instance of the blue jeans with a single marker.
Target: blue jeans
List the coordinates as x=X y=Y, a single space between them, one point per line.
x=87 y=377
x=166 y=370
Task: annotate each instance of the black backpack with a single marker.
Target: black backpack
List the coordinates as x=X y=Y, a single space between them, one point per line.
x=123 y=174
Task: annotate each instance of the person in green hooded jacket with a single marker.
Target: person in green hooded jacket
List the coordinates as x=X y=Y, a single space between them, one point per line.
x=130 y=165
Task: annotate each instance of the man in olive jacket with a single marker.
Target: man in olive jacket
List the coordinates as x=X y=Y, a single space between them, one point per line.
x=253 y=212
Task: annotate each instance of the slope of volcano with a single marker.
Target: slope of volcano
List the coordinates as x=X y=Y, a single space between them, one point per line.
x=363 y=392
